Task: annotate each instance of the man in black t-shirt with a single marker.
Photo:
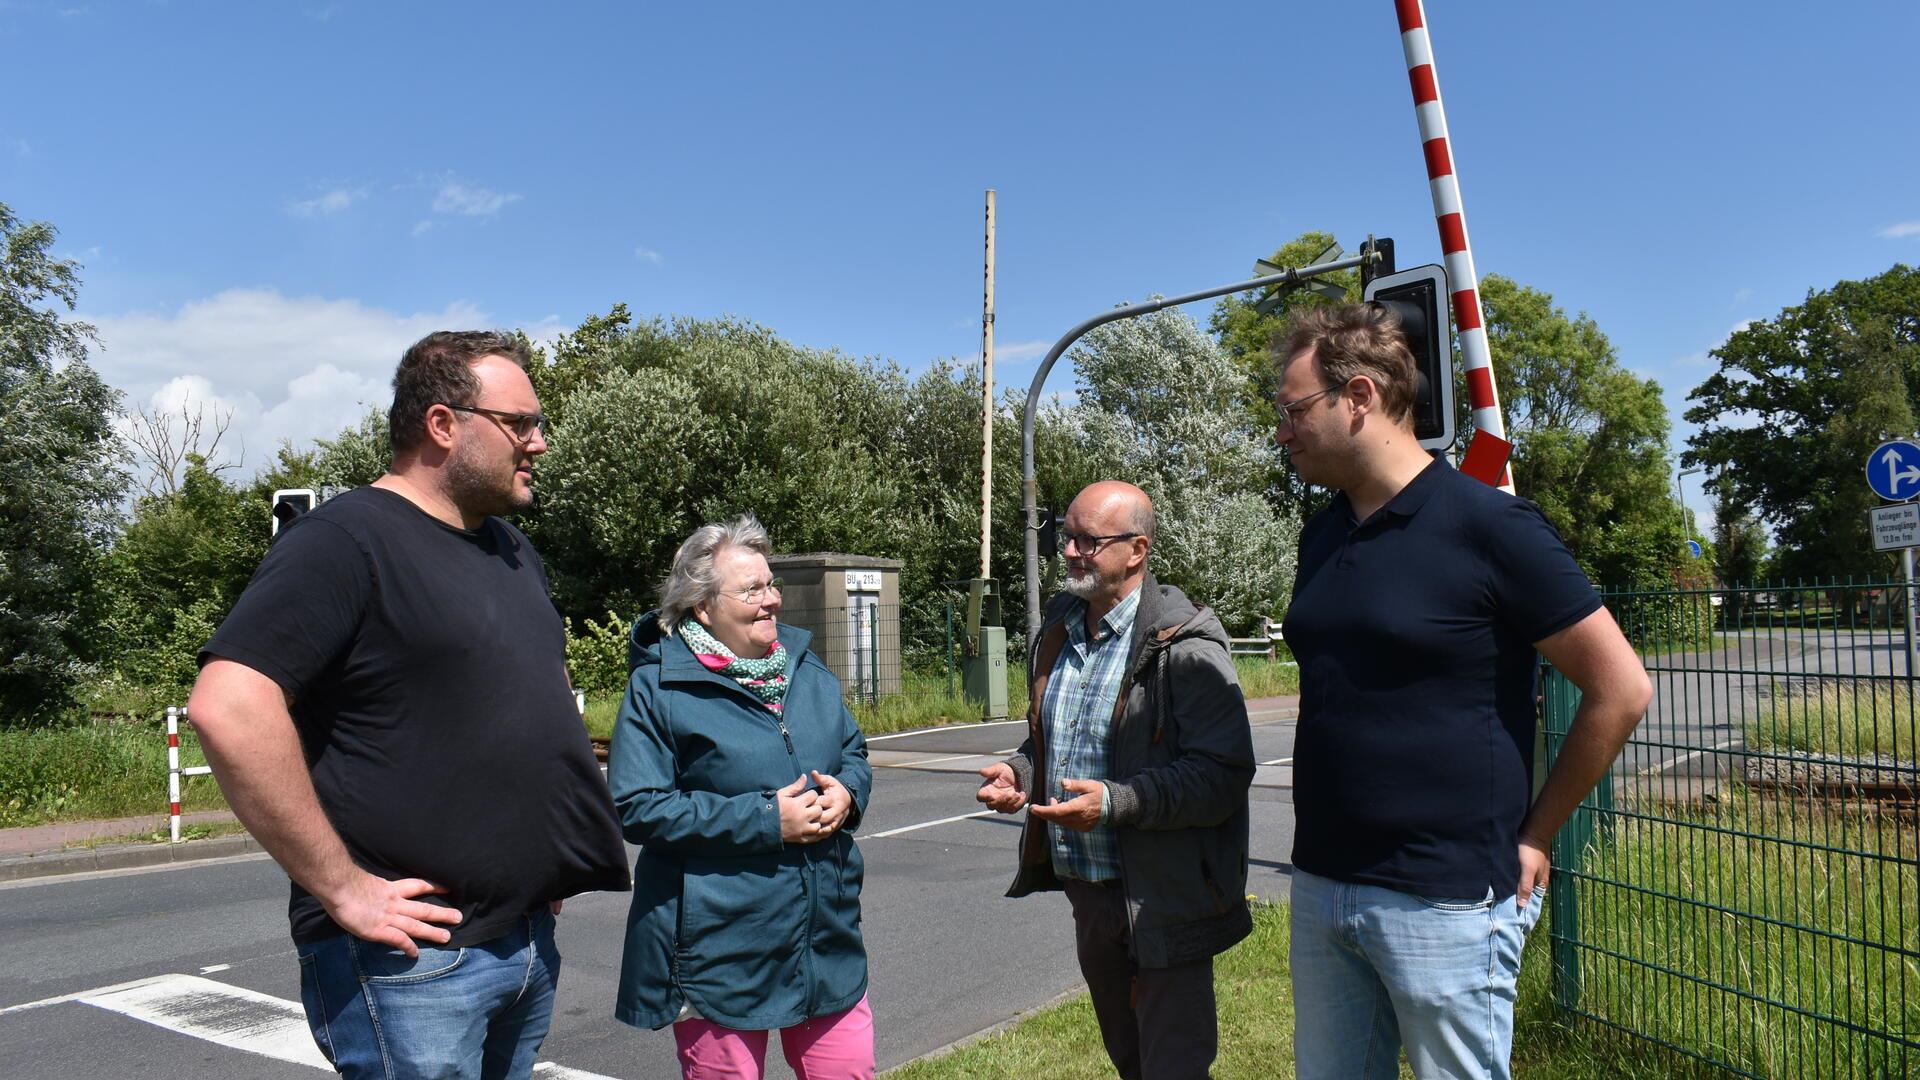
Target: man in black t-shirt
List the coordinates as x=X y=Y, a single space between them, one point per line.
x=387 y=709
x=1420 y=855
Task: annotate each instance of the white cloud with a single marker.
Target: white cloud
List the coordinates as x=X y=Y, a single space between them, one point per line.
x=1741 y=296
x=1014 y=352
x=458 y=198
x=297 y=368
x=649 y=255
x=22 y=149
x=422 y=228
x=330 y=202
x=1901 y=229
x=1704 y=358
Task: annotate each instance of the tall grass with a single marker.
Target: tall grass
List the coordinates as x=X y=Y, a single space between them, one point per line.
x=1772 y=937
x=99 y=770
x=1845 y=717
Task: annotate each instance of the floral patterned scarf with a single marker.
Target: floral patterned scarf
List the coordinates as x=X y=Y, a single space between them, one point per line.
x=765 y=678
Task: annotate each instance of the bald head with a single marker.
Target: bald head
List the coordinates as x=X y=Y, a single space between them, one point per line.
x=1114 y=506
x=1109 y=530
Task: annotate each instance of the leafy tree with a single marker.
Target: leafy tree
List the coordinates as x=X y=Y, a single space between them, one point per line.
x=177 y=569
x=1589 y=437
x=64 y=476
x=1799 y=401
x=1162 y=405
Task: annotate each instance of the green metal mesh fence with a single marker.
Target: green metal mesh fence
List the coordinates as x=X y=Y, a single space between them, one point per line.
x=1744 y=890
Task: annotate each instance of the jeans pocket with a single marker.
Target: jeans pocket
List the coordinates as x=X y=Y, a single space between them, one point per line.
x=391 y=967
x=314 y=1003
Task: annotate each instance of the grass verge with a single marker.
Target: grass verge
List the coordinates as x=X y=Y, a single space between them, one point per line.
x=98 y=770
x=1843 y=717
x=1774 y=936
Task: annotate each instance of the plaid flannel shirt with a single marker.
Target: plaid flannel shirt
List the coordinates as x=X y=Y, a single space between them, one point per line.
x=1077 y=713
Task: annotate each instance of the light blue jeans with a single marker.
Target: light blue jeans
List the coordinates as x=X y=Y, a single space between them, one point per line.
x=477 y=1013
x=1376 y=970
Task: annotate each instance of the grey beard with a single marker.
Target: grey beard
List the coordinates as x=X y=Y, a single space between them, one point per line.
x=1085 y=587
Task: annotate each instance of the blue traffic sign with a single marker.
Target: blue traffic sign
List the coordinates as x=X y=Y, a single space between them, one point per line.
x=1893 y=470
x=1694 y=549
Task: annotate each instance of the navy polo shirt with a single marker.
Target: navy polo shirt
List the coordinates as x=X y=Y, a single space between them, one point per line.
x=1413 y=764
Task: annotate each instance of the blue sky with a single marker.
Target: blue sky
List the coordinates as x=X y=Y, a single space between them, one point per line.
x=272 y=199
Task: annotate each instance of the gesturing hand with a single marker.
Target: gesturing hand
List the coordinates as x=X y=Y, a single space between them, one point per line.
x=800 y=813
x=382 y=911
x=1001 y=791
x=1080 y=813
x=836 y=802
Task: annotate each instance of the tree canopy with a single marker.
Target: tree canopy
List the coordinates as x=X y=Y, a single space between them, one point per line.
x=64 y=475
x=1798 y=402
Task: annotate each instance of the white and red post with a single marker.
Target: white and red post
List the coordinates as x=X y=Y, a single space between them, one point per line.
x=175 y=772
x=1482 y=395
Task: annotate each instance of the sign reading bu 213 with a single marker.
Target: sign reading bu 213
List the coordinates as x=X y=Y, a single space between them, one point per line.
x=1894 y=527
x=1893 y=470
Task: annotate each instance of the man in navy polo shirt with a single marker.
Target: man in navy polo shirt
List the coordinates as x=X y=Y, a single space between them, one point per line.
x=1420 y=857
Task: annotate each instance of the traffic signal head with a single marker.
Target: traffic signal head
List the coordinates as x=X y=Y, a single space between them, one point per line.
x=1049 y=533
x=1419 y=297
x=290 y=503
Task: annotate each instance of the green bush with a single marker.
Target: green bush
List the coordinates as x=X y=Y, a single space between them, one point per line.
x=597 y=654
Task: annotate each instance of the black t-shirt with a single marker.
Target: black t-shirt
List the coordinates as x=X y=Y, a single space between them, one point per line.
x=1414 y=631
x=427 y=668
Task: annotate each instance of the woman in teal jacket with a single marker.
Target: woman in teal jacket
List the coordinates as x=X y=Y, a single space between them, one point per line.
x=739 y=771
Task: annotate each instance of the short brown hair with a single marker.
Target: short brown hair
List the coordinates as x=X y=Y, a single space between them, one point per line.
x=1358 y=339
x=438 y=370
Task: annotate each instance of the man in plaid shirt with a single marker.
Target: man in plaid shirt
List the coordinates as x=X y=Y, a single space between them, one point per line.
x=1138 y=738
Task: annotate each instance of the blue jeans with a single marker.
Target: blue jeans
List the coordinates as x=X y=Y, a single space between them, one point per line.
x=477 y=1012
x=1375 y=970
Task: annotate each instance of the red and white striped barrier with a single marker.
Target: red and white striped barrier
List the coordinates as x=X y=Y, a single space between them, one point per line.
x=1482 y=395
x=175 y=714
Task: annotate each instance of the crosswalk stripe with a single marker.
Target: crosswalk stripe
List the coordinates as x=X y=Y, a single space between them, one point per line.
x=230 y=1016
x=234 y=1017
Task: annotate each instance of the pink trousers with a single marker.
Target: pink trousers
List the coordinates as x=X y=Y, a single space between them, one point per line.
x=838 y=1046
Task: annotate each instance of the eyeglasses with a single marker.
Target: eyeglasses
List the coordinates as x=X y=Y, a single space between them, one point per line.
x=520 y=425
x=757 y=594
x=1088 y=544
x=1292 y=411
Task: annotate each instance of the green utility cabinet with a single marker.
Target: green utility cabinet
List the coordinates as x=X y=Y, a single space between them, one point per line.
x=986 y=674
x=984 y=666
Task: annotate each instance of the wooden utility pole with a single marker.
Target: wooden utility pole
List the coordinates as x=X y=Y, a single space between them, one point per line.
x=986 y=408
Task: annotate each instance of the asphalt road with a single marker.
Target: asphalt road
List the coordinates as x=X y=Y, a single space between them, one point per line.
x=216 y=986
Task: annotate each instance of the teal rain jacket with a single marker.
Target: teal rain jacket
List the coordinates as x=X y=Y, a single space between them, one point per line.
x=754 y=933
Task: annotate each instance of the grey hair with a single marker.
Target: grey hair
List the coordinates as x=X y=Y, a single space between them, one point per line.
x=694 y=579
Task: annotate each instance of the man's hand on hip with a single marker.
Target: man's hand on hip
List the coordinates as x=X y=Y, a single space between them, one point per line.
x=1001 y=791
x=386 y=912
x=1080 y=813
x=1535 y=865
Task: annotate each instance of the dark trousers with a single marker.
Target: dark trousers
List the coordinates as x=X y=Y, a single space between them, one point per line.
x=1157 y=1023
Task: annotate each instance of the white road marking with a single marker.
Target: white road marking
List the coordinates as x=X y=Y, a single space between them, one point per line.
x=214 y=968
x=929 y=761
x=929 y=824
x=551 y=1071
x=231 y=1016
x=949 y=727
x=1279 y=761
x=64 y=998
x=1652 y=770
